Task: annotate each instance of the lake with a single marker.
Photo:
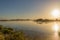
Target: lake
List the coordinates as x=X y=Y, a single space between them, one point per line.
x=43 y=31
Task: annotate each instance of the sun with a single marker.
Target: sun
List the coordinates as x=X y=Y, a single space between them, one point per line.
x=55 y=13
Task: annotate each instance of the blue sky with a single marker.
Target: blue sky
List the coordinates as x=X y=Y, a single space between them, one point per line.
x=27 y=8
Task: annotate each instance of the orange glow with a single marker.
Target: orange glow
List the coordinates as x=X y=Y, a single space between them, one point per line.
x=55 y=27
x=55 y=13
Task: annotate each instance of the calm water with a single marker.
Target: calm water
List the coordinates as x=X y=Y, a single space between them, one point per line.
x=44 y=31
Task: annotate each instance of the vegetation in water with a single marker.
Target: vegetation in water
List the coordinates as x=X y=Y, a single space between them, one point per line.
x=11 y=34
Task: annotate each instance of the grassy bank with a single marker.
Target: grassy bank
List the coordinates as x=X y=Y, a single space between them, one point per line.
x=11 y=34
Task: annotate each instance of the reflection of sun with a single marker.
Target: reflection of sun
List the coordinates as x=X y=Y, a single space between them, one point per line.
x=56 y=27
x=55 y=13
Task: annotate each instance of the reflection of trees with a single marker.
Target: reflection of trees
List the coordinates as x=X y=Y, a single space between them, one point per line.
x=40 y=21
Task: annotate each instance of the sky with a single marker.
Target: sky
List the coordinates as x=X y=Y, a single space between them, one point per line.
x=31 y=9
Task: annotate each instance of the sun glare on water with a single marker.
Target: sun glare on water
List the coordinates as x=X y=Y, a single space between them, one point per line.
x=55 y=13
x=55 y=27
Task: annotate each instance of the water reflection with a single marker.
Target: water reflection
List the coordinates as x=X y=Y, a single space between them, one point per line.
x=40 y=22
x=55 y=27
x=56 y=36
x=44 y=30
x=56 y=30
